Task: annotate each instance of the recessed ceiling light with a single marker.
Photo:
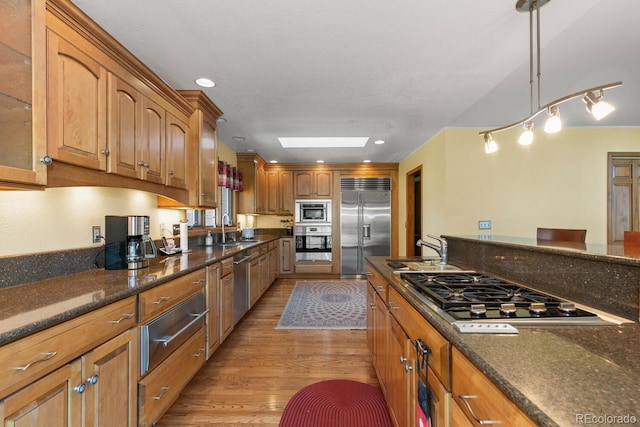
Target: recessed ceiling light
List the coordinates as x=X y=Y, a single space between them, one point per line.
x=319 y=161
x=238 y=138
x=205 y=82
x=273 y=161
x=378 y=142
x=323 y=142
x=366 y=161
x=221 y=120
x=251 y=150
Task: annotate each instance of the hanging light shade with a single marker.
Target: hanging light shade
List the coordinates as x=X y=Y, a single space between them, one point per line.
x=553 y=123
x=596 y=106
x=490 y=145
x=526 y=137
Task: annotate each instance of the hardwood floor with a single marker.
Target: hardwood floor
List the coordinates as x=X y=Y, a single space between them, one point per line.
x=251 y=377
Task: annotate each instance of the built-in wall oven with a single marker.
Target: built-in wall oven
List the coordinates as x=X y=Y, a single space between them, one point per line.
x=313 y=242
x=316 y=211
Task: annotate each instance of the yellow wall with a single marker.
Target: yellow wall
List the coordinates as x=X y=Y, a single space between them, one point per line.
x=559 y=181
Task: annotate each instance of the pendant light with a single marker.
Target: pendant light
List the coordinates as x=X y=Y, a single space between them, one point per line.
x=594 y=103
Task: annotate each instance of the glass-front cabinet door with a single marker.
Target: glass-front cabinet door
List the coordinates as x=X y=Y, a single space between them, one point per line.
x=22 y=93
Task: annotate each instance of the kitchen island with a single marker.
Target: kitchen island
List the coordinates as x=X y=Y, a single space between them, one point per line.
x=557 y=375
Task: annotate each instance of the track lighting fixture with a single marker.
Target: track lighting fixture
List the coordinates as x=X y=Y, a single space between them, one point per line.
x=594 y=103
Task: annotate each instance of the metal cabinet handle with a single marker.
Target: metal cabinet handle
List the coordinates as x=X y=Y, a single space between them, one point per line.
x=170 y=172
x=161 y=300
x=407 y=367
x=199 y=353
x=464 y=398
x=166 y=341
x=93 y=379
x=403 y=359
x=80 y=388
x=372 y=306
x=105 y=152
x=242 y=260
x=48 y=355
x=163 y=390
x=124 y=317
x=197 y=282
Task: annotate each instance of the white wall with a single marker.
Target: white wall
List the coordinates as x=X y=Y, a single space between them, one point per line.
x=559 y=181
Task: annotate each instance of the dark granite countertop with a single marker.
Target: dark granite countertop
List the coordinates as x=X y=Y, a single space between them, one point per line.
x=554 y=374
x=31 y=307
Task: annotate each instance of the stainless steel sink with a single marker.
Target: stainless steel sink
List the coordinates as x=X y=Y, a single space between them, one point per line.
x=427 y=266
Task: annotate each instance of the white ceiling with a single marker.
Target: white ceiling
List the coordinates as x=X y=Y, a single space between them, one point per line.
x=400 y=71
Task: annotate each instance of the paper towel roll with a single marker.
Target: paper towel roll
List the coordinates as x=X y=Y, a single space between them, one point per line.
x=184 y=237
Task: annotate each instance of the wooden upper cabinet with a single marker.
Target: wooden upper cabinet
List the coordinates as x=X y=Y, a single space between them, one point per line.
x=279 y=191
x=176 y=151
x=203 y=138
x=22 y=94
x=76 y=105
x=253 y=197
x=313 y=184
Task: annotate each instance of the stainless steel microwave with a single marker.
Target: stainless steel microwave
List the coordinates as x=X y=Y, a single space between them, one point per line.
x=317 y=211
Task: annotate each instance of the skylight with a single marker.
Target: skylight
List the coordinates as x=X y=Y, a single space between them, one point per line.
x=323 y=142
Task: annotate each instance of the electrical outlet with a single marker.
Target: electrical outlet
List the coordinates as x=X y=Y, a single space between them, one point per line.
x=162 y=229
x=95 y=232
x=484 y=224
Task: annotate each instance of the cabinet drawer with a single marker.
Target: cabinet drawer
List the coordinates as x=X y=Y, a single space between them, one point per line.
x=159 y=390
x=273 y=245
x=157 y=300
x=417 y=327
x=32 y=357
x=264 y=249
x=481 y=396
x=227 y=266
x=378 y=282
x=314 y=267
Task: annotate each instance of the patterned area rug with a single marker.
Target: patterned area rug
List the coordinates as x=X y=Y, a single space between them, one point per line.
x=326 y=305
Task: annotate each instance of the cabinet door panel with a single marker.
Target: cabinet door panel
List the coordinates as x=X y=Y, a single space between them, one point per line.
x=323 y=183
x=285 y=185
x=208 y=181
x=112 y=400
x=176 y=151
x=124 y=119
x=76 y=105
x=151 y=148
x=49 y=402
x=226 y=306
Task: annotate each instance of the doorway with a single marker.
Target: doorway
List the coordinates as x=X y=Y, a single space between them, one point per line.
x=623 y=198
x=414 y=211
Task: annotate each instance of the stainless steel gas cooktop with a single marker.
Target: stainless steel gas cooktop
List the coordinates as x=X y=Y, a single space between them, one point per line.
x=470 y=297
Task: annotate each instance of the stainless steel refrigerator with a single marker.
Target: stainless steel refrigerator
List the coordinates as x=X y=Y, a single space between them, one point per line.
x=365 y=222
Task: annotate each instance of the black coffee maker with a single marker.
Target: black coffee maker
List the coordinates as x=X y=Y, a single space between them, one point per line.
x=126 y=240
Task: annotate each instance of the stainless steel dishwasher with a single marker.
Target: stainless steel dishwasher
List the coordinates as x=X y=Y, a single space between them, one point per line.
x=240 y=285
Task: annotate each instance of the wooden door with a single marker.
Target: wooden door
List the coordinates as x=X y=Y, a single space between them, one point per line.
x=213 y=304
x=176 y=151
x=110 y=374
x=624 y=195
x=151 y=148
x=226 y=306
x=125 y=114
x=49 y=402
x=76 y=105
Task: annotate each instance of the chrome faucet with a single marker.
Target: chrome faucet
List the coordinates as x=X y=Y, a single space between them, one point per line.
x=441 y=249
x=224 y=236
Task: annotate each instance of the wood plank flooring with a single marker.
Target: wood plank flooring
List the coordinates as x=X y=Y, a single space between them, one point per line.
x=251 y=377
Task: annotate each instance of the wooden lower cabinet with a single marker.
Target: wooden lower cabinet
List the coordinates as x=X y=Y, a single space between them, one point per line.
x=479 y=400
x=286 y=251
x=226 y=305
x=160 y=389
x=401 y=382
x=96 y=389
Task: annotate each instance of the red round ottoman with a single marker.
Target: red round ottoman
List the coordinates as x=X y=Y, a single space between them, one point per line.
x=337 y=403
